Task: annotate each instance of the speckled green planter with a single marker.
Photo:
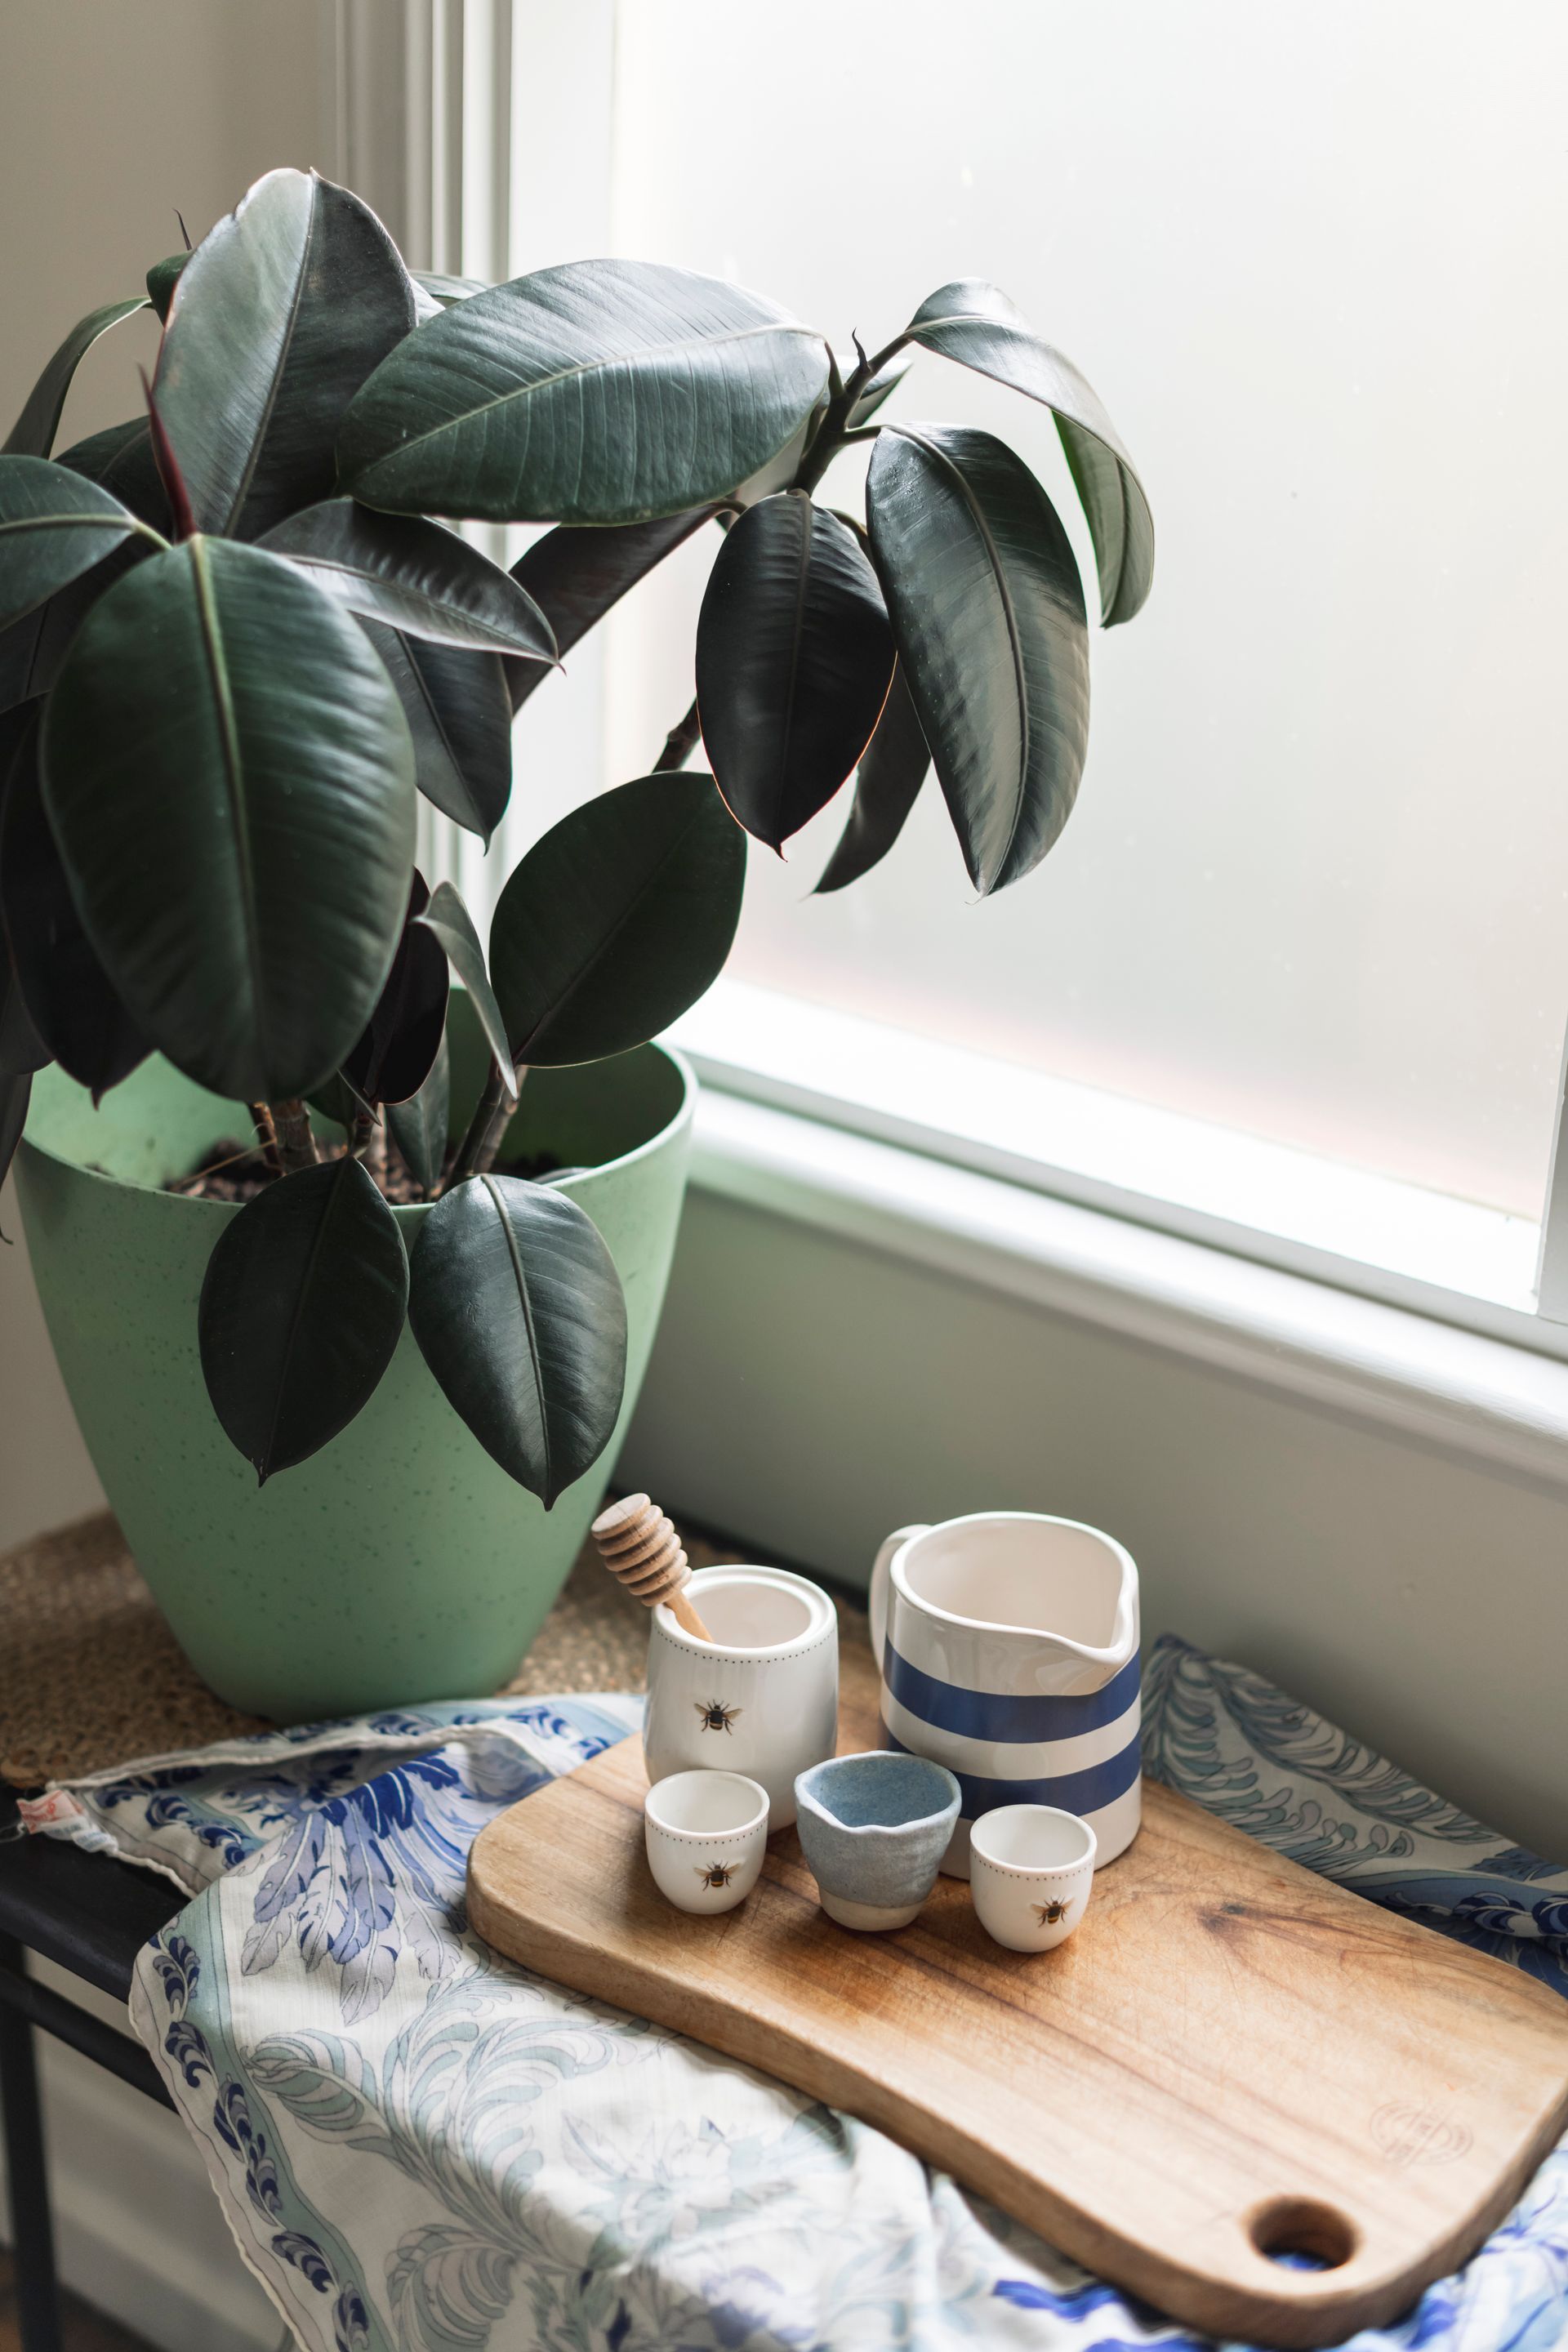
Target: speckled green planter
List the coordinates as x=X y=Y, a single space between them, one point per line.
x=400 y=1563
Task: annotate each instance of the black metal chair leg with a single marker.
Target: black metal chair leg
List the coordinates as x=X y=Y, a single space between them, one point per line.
x=32 y=2225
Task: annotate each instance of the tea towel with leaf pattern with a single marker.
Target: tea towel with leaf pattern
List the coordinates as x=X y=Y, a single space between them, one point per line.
x=422 y=2148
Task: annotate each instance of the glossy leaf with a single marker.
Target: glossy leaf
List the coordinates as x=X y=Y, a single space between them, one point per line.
x=15 y=1095
x=277 y=318
x=162 y=280
x=780 y=470
x=987 y=608
x=22 y=1049
x=403 y=1035
x=302 y=1308
x=335 y=1099
x=516 y=1307
x=794 y=660
x=892 y=770
x=459 y=716
x=452 y=924
x=880 y=387
x=601 y=391
x=32 y=650
x=574 y=576
x=32 y=435
x=618 y=919
x=54 y=525
x=414 y=576
x=444 y=290
x=120 y=460
x=976 y=324
x=419 y=1127
x=69 y=1002
x=230 y=779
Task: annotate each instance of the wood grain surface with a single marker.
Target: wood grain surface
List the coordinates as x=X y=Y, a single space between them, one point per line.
x=1230 y=2056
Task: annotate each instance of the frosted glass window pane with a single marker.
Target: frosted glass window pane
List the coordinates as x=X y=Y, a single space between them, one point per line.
x=1312 y=257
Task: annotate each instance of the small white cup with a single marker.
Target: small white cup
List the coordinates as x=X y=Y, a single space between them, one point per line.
x=705 y=1833
x=1032 y=1877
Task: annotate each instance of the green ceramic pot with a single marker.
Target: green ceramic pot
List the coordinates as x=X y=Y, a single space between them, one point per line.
x=399 y=1563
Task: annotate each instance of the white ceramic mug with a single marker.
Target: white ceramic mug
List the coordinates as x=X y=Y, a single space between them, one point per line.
x=705 y=1833
x=1009 y=1649
x=760 y=1698
x=1031 y=1875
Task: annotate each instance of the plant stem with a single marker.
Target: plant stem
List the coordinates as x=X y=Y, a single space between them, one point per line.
x=261 y=1119
x=295 y=1144
x=477 y=1152
x=361 y=1133
x=501 y=1119
x=375 y=1154
x=679 y=741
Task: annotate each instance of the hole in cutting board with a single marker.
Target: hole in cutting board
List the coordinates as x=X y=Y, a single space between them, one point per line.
x=1302 y=2232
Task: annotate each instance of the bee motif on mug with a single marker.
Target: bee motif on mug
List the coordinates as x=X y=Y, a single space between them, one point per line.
x=715 y=1716
x=1051 y=1914
x=716 y=1874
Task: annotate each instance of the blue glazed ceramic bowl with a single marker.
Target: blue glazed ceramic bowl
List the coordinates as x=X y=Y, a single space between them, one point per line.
x=874 y=1829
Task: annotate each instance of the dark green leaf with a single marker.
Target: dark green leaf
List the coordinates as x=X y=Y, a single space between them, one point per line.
x=516 y=1307
x=618 y=919
x=575 y=575
x=277 y=320
x=161 y=280
x=780 y=469
x=300 y=1310
x=892 y=770
x=33 y=649
x=334 y=1099
x=414 y=576
x=70 y=1005
x=601 y=391
x=987 y=608
x=444 y=290
x=120 y=460
x=22 y=1050
x=880 y=387
x=14 y=1099
x=230 y=779
x=459 y=716
x=419 y=1126
x=54 y=525
x=21 y=1047
x=403 y=1036
x=794 y=657
x=449 y=920
x=32 y=435
x=976 y=324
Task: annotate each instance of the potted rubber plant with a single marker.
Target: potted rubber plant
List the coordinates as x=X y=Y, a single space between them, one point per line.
x=237 y=638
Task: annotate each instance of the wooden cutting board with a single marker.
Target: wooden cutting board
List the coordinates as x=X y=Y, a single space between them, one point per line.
x=1230 y=2054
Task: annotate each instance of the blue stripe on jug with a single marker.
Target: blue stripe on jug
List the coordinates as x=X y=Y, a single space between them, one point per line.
x=997 y=1714
x=1074 y=1792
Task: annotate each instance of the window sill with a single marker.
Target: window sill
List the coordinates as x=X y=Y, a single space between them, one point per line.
x=1503 y=1406
x=1444 y=1259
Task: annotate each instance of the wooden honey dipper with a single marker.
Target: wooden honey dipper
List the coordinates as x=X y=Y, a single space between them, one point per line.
x=639 y=1544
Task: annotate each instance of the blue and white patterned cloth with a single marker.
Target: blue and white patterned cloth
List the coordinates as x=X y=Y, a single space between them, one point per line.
x=422 y=2148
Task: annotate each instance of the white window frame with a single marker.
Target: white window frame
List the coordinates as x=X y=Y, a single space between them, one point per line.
x=426 y=94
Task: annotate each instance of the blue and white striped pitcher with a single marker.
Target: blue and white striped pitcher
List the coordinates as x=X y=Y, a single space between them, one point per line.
x=1008 y=1647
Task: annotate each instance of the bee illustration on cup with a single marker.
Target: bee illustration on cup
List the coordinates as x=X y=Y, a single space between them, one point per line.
x=716 y=1874
x=1051 y=1914
x=715 y=1716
